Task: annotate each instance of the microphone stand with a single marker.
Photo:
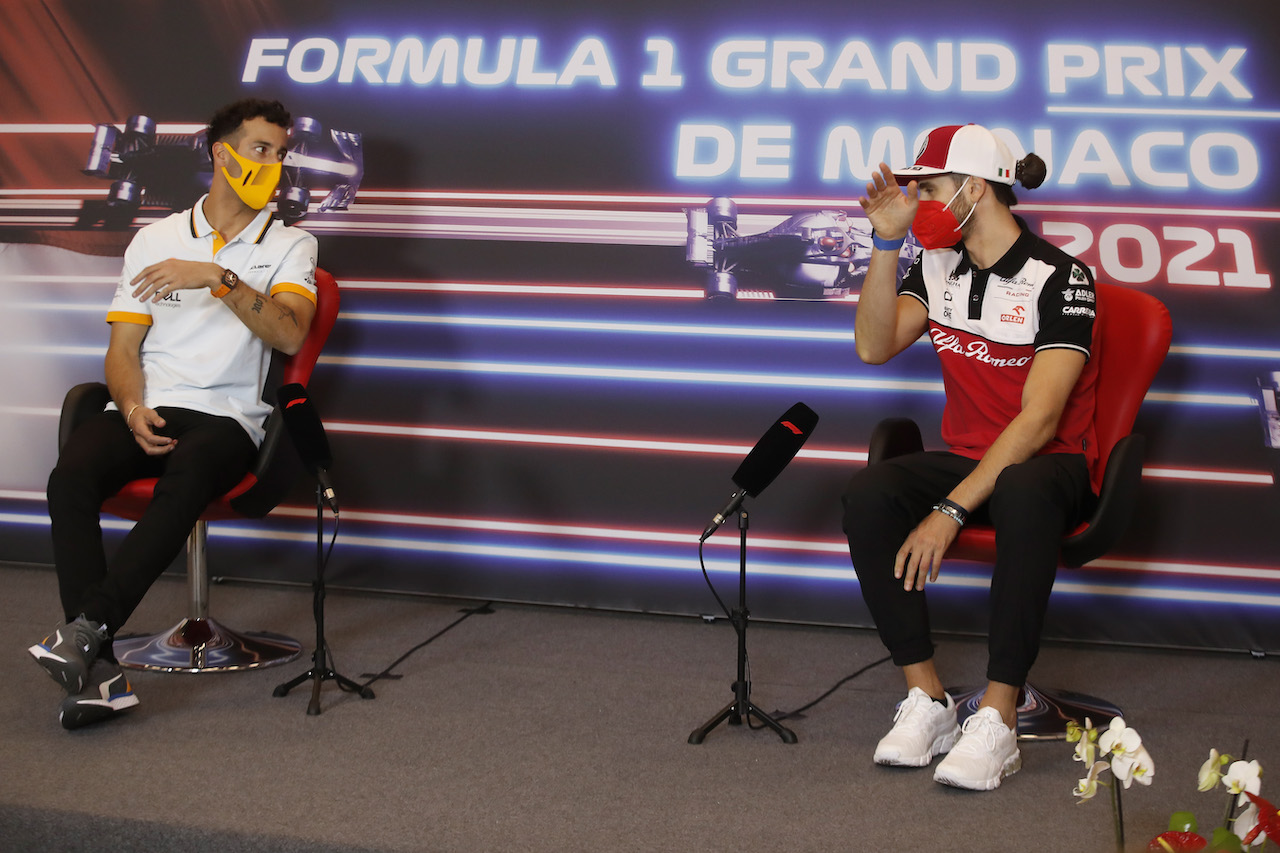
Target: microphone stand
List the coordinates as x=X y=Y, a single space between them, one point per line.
x=741 y=706
x=320 y=672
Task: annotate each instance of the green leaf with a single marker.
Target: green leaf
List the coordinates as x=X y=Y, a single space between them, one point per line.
x=1183 y=822
x=1224 y=841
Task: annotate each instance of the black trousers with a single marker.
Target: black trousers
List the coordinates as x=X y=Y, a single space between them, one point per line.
x=1034 y=504
x=213 y=453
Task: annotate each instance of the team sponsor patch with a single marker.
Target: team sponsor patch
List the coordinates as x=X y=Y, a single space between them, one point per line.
x=1017 y=316
x=1078 y=276
x=1077 y=311
x=1082 y=294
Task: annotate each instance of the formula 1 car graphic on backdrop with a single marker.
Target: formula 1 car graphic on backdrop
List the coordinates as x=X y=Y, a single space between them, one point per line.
x=811 y=255
x=172 y=170
x=1269 y=408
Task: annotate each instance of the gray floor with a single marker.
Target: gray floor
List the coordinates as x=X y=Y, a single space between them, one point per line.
x=543 y=729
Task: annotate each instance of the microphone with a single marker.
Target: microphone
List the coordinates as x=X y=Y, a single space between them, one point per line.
x=729 y=509
x=772 y=452
x=307 y=432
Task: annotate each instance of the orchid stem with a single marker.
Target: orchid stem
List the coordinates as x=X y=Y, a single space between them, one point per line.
x=1118 y=813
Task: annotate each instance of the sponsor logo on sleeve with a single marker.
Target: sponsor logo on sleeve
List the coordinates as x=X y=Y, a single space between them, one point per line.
x=1077 y=311
x=1077 y=275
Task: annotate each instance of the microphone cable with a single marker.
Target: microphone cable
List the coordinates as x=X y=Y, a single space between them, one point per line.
x=467 y=613
x=783 y=715
x=710 y=585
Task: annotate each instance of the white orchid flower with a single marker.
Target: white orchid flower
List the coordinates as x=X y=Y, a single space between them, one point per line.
x=1245 y=823
x=1243 y=776
x=1211 y=770
x=1119 y=739
x=1144 y=768
x=1086 y=751
x=1076 y=732
x=1088 y=786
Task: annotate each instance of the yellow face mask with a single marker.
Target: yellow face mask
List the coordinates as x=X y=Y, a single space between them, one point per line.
x=257 y=181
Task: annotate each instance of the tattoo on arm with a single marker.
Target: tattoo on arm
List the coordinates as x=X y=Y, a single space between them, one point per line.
x=286 y=311
x=257 y=305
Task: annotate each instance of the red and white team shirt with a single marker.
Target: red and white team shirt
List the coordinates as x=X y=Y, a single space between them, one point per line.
x=987 y=326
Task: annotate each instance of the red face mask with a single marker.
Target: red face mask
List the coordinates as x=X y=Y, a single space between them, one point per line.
x=935 y=226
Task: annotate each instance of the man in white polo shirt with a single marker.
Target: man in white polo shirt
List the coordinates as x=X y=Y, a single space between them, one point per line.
x=204 y=298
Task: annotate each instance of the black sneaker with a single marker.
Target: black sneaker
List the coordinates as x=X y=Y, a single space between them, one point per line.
x=67 y=653
x=107 y=694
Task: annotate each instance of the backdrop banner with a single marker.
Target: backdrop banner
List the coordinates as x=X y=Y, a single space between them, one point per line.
x=550 y=361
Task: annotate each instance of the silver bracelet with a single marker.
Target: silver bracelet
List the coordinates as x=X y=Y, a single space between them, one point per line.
x=130 y=415
x=952 y=510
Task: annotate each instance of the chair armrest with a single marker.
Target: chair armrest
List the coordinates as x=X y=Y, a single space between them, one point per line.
x=276 y=469
x=1119 y=496
x=81 y=402
x=894 y=437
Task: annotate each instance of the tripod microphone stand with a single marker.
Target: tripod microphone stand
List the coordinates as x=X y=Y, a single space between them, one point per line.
x=741 y=707
x=320 y=671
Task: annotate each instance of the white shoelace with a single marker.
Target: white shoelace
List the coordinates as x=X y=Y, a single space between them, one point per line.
x=913 y=703
x=986 y=729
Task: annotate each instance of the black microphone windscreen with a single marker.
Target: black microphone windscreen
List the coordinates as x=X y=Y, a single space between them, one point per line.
x=775 y=449
x=303 y=425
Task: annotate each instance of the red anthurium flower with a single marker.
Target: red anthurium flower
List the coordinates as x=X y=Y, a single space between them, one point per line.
x=1177 y=842
x=1268 y=820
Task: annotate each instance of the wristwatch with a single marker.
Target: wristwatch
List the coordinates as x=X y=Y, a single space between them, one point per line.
x=229 y=282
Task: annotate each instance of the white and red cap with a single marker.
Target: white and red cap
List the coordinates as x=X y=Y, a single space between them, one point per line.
x=964 y=149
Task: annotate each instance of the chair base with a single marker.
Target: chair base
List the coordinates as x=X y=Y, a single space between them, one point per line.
x=1043 y=713
x=203 y=645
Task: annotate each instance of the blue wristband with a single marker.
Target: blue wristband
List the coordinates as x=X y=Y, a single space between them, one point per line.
x=887 y=245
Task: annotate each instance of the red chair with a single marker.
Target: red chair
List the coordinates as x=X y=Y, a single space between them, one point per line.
x=199 y=643
x=1130 y=340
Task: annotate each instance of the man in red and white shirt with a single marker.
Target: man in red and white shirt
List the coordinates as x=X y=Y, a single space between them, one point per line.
x=1011 y=318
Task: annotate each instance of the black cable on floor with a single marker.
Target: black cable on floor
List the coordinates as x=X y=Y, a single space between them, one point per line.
x=782 y=715
x=487 y=607
x=737 y=627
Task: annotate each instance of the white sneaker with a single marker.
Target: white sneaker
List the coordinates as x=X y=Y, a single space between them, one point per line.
x=987 y=752
x=922 y=729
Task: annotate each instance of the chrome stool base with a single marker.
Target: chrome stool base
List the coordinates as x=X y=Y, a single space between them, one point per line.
x=203 y=645
x=1042 y=713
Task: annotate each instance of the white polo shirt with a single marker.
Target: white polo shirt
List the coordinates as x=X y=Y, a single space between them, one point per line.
x=197 y=353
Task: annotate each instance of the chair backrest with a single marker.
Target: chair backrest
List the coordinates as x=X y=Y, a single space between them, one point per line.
x=298 y=367
x=1130 y=340
x=277 y=467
